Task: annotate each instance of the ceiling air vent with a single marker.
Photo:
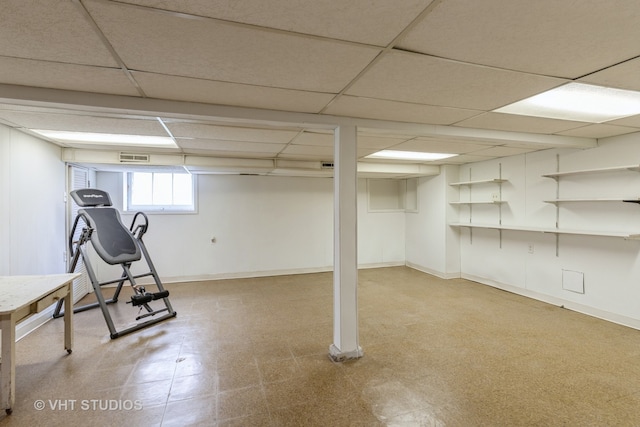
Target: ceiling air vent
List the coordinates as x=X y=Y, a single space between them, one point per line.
x=327 y=165
x=134 y=158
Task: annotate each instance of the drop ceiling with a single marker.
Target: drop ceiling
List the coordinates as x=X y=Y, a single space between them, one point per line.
x=257 y=87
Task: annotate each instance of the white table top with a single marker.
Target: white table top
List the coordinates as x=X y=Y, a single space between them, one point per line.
x=19 y=291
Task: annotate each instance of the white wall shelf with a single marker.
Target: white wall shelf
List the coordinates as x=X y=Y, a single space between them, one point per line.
x=482 y=181
x=558 y=200
x=495 y=199
x=479 y=202
x=589 y=200
x=548 y=230
x=556 y=175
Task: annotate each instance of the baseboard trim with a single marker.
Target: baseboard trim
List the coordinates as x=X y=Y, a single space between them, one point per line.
x=559 y=302
x=439 y=274
x=265 y=273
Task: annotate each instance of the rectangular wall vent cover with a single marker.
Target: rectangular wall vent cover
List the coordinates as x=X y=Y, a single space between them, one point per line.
x=134 y=158
x=573 y=281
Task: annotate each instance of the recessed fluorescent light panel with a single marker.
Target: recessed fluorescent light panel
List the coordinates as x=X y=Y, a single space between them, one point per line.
x=107 y=138
x=408 y=155
x=580 y=102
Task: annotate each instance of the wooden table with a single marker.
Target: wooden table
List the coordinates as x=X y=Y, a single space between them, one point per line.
x=20 y=297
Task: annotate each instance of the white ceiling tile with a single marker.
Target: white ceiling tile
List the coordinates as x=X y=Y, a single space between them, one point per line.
x=366 y=141
x=84 y=123
x=294 y=152
x=429 y=145
x=223 y=93
x=370 y=108
x=599 y=130
x=377 y=143
x=463 y=159
x=363 y=152
x=50 y=30
x=26 y=72
x=130 y=167
x=305 y=150
x=395 y=161
x=236 y=146
x=230 y=133
x=518 y=123
x=530 y=145
x=315 y=138
x=422 y=79
x=367 y=21
x=381 y=132
x=622 y=76
x=502 y=151
x=209 y=59
x=215 y=50
x=631 y=121
x=305 y=156
x=547 y=37
x=132 y=148
x=317 y=153
x=222 y=153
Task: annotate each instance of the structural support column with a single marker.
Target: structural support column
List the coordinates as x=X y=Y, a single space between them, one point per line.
x=345 y=243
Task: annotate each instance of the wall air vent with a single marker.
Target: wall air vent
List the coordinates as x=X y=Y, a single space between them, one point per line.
x=133 y=158
x=327 y=165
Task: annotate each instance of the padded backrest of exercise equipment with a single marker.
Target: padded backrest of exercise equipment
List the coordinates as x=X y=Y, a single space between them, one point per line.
x=110 y=238
x=90 y=197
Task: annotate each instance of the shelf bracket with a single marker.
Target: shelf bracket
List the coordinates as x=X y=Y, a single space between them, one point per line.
x=500 y=198
x=557 y=178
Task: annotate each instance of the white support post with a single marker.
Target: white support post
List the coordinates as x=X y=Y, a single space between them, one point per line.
x=345 y=242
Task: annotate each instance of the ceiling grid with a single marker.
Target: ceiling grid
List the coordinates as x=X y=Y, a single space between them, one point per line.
x=427 y=76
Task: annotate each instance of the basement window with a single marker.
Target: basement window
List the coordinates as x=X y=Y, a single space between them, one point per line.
x=392 y=195
x=159 y=192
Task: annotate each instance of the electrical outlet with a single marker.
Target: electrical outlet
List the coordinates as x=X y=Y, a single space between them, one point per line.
x=495 y=197
x=531 y=248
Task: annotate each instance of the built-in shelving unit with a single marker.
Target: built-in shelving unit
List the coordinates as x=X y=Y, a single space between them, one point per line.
x=496 y=196
x=557 y=230
x=558 y=200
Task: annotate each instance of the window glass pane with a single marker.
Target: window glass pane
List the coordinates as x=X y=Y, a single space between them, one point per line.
x=182 y=189
x=141 y=185
x=160 y=191
x=162 y=188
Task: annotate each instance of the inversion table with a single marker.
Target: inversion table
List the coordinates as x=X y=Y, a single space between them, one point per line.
x=115 y=244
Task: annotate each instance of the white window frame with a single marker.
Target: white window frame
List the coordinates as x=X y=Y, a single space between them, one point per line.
x=128 y=206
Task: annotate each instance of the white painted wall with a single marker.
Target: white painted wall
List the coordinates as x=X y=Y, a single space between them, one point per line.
x=32 y=188
x=611 y=265
x=381 y=234
x=275 y=225
x=431 y=245
x=262 y=225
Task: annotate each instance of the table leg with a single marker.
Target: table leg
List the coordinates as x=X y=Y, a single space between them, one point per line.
x=8 y=365
x=68 y=319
